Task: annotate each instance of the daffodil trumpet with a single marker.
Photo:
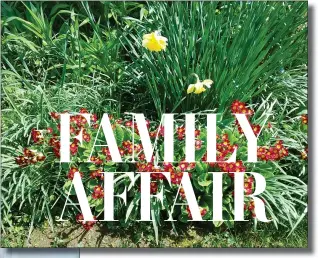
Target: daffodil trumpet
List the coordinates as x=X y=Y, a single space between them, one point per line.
x=154 y=41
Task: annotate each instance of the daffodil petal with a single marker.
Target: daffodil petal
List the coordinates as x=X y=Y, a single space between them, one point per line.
x=190 y=88
x=154 y=42
x=207 y=83
x=161 y=38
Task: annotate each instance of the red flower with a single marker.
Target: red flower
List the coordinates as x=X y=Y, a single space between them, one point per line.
x=97 y=174
x=183 y=166
x=175 y=178
x=86 y=136
x=36 y=135
x=147 y=123
x=94 y=118
x=273 y=153
x=128 y=124
x=22 y=161
x=203 y=212
x=153 y=187
x=96 y=160
x=167 y=166
x=238 y=107
x=40 y=157
x=98 y=192
x=74 y=147
x=29 y=153
x=83 y=111
x=153 y=134
x=87 y=225
x=304 y=119
x=161 y=131
x=119 y=121
x=256 y=129
x=181 y=130
x=182 y=193
x=95 y=126
x=198 y=144
x=54 y=115
x=72 y=171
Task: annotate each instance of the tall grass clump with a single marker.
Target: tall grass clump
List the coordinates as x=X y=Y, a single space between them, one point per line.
x=239 y=45
x=55 y=57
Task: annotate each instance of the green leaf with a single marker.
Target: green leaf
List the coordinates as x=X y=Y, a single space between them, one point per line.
x=204 y=180
x=83 y=167
x=92 y=183
x=217 y=223
x=201 y=167
x=68 y=184
x=99 y=205
x=183 y=218
x=119 y=134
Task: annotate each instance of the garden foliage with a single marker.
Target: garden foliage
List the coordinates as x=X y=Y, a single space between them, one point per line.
x=90 y=57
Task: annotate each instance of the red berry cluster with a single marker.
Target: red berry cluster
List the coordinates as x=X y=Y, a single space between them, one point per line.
x=87 y=225
x=273 y=153
x=29 y=157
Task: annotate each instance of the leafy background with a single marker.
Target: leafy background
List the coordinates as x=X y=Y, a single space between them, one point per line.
x=60 y=56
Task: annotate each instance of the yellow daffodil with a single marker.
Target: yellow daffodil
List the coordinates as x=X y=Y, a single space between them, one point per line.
x=154 y=41
x=198 y=87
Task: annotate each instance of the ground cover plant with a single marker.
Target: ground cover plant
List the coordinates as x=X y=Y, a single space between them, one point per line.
x=153 y=58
